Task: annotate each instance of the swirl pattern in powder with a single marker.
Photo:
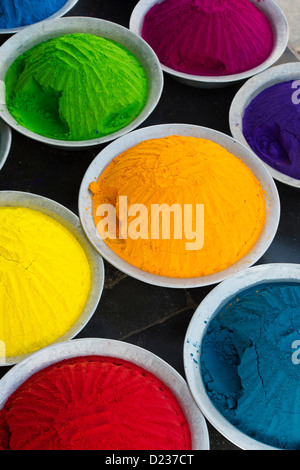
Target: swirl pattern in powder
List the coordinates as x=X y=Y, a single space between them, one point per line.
x=93 y=403
x=183 y=171
x=271 y=126
x=209 y=37
x=247 y=363
x=76 y=87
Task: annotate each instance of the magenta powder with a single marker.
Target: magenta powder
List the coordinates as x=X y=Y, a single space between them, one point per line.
x=208 y=37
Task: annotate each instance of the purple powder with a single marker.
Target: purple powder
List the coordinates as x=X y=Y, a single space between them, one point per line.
x=271 y=126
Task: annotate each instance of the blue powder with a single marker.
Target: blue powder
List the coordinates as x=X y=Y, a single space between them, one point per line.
x=16 y=13
x=248 y=363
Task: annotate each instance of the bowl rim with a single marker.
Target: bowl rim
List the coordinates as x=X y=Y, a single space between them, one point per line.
x=72 y=223
x=104 y=158
x=281 y=42
x=5 y=142
x=61 y=12
x=119 y=349
x=208 y=308
x=252 y=88
x=35 y=34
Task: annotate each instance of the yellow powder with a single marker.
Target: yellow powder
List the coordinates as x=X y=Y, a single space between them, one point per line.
x=184 y=170
x=45 y=280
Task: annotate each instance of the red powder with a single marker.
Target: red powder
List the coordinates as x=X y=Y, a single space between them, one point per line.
x=93 y=403
x=208 y=37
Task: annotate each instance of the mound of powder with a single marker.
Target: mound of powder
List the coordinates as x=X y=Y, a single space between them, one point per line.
x=181 y=171
x=45 y=280
x=93 y=403
x=16 y=13
x=208 y=37
x=247 y=363
x=271 y=126
x=76 y=87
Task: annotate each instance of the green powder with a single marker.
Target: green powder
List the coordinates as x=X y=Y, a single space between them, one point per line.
x=76 y=87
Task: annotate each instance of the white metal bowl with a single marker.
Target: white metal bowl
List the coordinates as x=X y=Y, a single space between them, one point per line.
x=268 y=7
x=134 y=138
x=5 y=142
x=71 y=222
x=33 y=35
x=211 y=305
x=252 y=88
x=111 y=348
x=63 y=11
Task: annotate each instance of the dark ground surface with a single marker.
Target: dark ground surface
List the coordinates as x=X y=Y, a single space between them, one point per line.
x=151 y=317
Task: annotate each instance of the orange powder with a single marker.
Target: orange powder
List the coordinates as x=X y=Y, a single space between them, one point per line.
x=183 y=171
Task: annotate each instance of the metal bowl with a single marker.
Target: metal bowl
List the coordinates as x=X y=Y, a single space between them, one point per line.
x=134 y=138
x=33 y=35
x=196 y=331
x=72 y=223
x=63 y=11
x=111 y=348
x=248 y=92
x=5 y=142
x=268 y=7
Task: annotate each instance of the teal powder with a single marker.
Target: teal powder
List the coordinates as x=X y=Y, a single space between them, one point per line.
x=247 y=363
